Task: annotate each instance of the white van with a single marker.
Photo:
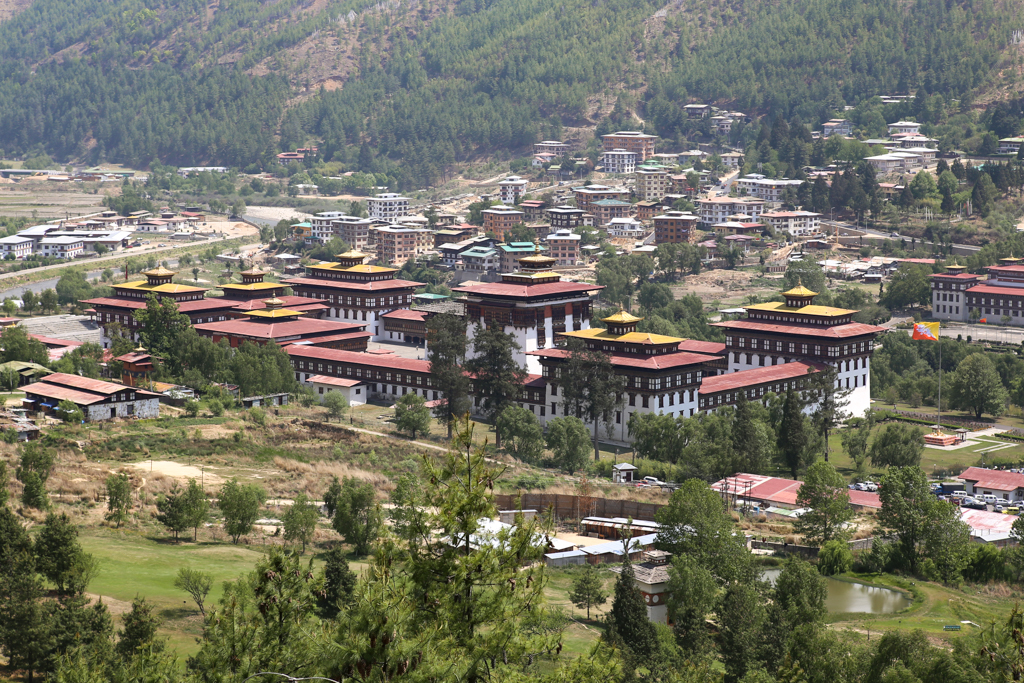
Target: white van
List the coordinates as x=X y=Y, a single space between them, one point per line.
x=989 y=498
x=958 y=494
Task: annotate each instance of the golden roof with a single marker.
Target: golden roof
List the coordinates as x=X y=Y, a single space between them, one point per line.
x=629 y=337
x=352 y=253
x=820 y=311
x=274 y=312
x=253 y=270
x=367 y=268
x=799 y=291
x=622 y=317
x=166 y=288
x=252 y=286
x=160 y=272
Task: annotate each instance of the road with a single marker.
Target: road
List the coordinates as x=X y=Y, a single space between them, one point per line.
x=879 y=234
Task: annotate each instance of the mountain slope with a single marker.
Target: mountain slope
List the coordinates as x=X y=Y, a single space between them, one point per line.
x=411 y=87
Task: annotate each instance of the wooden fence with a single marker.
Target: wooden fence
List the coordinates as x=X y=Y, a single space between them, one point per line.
x=576 y=507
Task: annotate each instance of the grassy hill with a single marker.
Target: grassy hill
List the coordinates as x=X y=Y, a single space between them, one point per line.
x=411 y=88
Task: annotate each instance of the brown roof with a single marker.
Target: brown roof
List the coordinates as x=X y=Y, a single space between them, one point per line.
x=659 y=362
x=299 y=327
x=526 y=291
x=831 y=332
x=755 y=377
x=384 y=362
x=335 y=381
x=354 y=285
x=406 y=314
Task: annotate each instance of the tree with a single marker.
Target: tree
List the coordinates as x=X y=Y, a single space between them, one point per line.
x=907 y=504
x=947 y=543
x=499 y=378
x=70 y=412
x=446 y=351
x=855 y=441
x=693 y=594
x=60 y=558
x=521 y=434
x=742 y=617
x=587 y=590
x=195 y=583
x=911 y=285
x=792 y=439
x=29 y=301
x=829 y=398
x=596 y=399
x=339 y=583
x=197 y=507
x=824 y=492
x=752 y=436
x=300 y=520
x=119 y=498
x=48 y=300
x=834 y=558
x=897 y=445
x=336 y=405
x=240 y=504
x=17 y=345
x=172 y=511
x=569 y=440
x=138 y=630
x=628 y=624
x=976 y=387
x=160 y=325
x=412 y=415
x=355 y=513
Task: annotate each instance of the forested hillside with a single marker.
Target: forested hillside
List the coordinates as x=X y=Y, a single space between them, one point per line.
x=416 y=86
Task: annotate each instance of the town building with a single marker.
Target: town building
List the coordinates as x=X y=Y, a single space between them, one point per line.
x=387 y=376
x=999 y=299
x=618 y=161
x=564 y=247
x=647 y=209
x=352 y=230
x=632 y=141
x=498 y=220
x=587 y=195
x=553 y=147
x=565 y=217
x=454 y=234
x=714 y=210
x=1006 y=486
x=533 y=208
x=896 y=162
x=397 y=244
x=650 y=576
x=675 y=226
x=354 y=290
x=322 y=228
x=626 y=228
x=732 y=159
x=251 y=294
x=604 y=210
x=697 y=111
x=406 y=325
x=652 y=184
x=1009 y=145
x=842 y=127
x=479 y=260
x=512 y=189
x=797 y=330
x=451 y=253
x=98 y=400
x=353 y=390
x=533 y=305
x=16 y=247
x=949 y=293
x=387 y=206
x=513 y=251
x=721 y=125
x=64 y=247
x=796 y=223
x=273 y=323
x=768 y=189
x=117 y=311
x=905 y=128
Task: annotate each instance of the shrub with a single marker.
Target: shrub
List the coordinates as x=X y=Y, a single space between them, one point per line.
x=191 y=408
x=215 y=407
x=834 y=558
x=257 y=416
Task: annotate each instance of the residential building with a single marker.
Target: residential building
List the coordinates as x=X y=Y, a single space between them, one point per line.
x=842 y=127
x=796 y=330
x=626 y=228
x=1004 y=485
x=285 y=158
x=714 y=210
x=949 y=293
x=274 y=323
x=396 y=245
x=905 y=128
x=652 y=184
x=553 y=147
x=16 y=247
x=697 y=111
x=675 y=226
x=618 y=161
x=98 y=400
x=451 y=252
x=896 y=162
x=1009 y=145
x=454 y=234
x=605 y=210
x=322 y=228
x=564 y=247
x=768 y=189
x=388 y=206
x=586 y=196
x=65 y=247
x=480 y=260
x=795 y=223
x=355 y=291
x=512 y=189
x=631 y=141
x=533 y=305
x=512 y=252
x=533 y=208
x=565 y=217
x=353 y=390
x=499 y=220
x=721 y=125
x=353 y=231
x=732 y=159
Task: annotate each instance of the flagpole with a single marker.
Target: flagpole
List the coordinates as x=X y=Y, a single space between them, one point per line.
x=938 y=420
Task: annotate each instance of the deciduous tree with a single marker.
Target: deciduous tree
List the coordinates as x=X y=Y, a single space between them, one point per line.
x=569 y=440
x=119 y=498
x=976 y=387
x=240 y=504
x=195 y=583
x=412 y=415
x=824 y=492
x=300 y=520
x=355 y=513
x=897 y=445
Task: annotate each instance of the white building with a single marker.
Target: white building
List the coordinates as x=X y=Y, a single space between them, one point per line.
x=62 y=247
x=652 y=184
x=626 y=228
x=796 y=223
x=388 y=206
x=768 y=189
x=715 y=210
x=732 y=159
x=896 y=162
x=619 y=161
x=841 y=127
x=354 y=390
x=16 y=247
x=512 y=189
x=651 y=578
x=905 y=128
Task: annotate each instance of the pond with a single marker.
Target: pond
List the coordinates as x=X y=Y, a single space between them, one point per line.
x=844 y=596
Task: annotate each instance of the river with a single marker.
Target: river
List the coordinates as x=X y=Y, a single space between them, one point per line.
x=37 y=287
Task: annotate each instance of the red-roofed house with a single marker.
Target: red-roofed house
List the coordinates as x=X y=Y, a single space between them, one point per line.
x=405 y=325
x=354 y=390
x=275 y=323
x=1000 y=483
x=777 y=492
x=98 y=400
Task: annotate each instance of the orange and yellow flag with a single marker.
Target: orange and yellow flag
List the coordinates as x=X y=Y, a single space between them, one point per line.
x=926 y=331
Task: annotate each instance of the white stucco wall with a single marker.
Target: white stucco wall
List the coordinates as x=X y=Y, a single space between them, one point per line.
x=145 y=408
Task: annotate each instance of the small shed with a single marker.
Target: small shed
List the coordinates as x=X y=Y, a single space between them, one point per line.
x=569 y=558
x=623 y=473
x=509 y=516
x=268 y=400
x=354 y=390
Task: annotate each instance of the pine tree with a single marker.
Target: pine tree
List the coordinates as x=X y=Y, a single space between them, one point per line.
x=587 y=590
x=172 y=511
x=792 y=433
x=499 y=378
x=627 y=621
x=119 y=498
x=339 y=583
x=138 y=630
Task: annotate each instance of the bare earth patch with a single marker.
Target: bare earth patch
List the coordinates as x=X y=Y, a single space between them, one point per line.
x=177 y=470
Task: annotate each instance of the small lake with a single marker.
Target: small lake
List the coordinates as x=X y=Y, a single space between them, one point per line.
x=844 y=596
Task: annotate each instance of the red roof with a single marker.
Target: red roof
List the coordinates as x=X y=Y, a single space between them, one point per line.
x=526 y=291
x=51 y=342
x=384 y=362
x=983 y=520
x=97 y=386
x=865 y=499
x=406 y=314
x=334 y=381
x=205 y=305
x=832 y=332
x=295 y=303
x=754 y=377
x=712 y=348
x=659 y=362
x=299 y=327
x=134 y=357
x=783 y=491
x=115 y=302
x=922 y=261
x=59 y=393
x=999 y=480
x=956 y=276
x=996 y=289
x=81 y=390
x=1007 y=270
x=353 y=285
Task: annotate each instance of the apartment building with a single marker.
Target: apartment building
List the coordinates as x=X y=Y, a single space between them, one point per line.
x=65 y=247
x=896 y=162
x=652 y=184
x=565 y=217
x=632 y=141
x=675 y=226
x=512 y=189
x=396 y=245
x=564 y=247
x=480 y=260
x=768 y=189
x=15 y=247
x=732 y=159
x=605 y=210
x=619 y=161
x=498 y=220
x=586 y=196
x=905 y=128
x=554 y=147
x=322 y=229
x=389 y=206
x=841 y=127
x=714 y=210
x=1009 y=145
x=355 y=232
x=796 y=223
x=511 y=253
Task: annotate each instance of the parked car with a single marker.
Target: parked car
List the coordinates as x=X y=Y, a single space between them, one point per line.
x=988 y=498
x=1011 y=510
x=871 y=486
x=973 y=504
x=998 y=507
x=653 y=481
